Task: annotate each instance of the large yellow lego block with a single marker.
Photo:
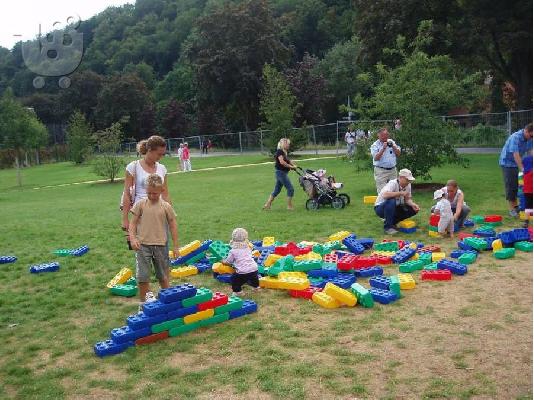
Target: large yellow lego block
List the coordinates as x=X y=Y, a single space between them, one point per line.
x=325 y=300
x=305 y=243
x=190 y=247
x=198 y=316
x=413 y=245
x=369 y=199
x=311 y=256
x=415 y=257
x=438 y=256
x=256 y=253
x=341 y=295
x=296 y=274
x=407 y=224
x=383 y=253
x=289 y=283
x=271 y=259
x=181 y=272
x=221 y=268
x=406 y=281
x=434 y=234
x=524 y=216
x=496 y=245
x=122 y=276
x=338 y=236
x=268 y=241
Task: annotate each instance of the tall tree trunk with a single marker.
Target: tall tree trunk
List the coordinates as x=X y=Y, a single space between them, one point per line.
x=37 y=161
x=17 y=163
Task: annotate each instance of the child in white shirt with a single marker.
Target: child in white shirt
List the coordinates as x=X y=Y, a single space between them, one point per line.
x=240 y=257
x=444 y=210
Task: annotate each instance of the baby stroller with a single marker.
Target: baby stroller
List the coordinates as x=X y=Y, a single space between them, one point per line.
x=321 y=190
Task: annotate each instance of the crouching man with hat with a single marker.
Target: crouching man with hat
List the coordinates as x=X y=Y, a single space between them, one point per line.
x=394 y=202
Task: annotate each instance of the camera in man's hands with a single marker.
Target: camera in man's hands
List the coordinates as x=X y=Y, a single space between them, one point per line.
x=390 y=143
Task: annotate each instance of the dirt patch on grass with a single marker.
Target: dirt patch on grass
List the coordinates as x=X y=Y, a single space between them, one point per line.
x=95 y=394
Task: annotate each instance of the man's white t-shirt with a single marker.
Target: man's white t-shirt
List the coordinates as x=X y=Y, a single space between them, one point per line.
x=135 y=169
x=394 y=186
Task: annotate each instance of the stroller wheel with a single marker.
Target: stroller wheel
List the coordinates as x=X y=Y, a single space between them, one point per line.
x=312 y=204
x=338 y=202
x=345 y=198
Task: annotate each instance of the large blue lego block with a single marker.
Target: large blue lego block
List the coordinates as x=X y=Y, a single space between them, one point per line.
x=7 y=259
x=248 y=307
x=48 y=267
x=407 y=230
x=382 y=296
x=108 y=348
x=521 y=235
x=489 y=241
x=380 y=282
x=257 y=244
x=367 y=243
x=183 y=260
x=125 y=334
x=453 y=266
x=80 y=251
x=368 y=272
x=403 y=255
x=182 y=312
x=469 y=223
x=323 y=273
x=343 y=280
x=352 y=245
x=158 y=307
x=177 y=293
x=203 y=266
x=484 y=233
x=263 y=256
x=464 y=246
x=507 y=237
x=458 y=252
x=141 y=320
x=224 y=278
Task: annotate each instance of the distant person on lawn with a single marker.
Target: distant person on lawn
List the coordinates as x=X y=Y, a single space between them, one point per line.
x=282 y=166
x=394 y=202
x=517 y=146
x=385 y=152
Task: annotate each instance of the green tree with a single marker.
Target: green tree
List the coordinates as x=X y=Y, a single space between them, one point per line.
x=79 y=138
x=417 y=91
x=20 y=130
x=108 y=163
x=278 y=106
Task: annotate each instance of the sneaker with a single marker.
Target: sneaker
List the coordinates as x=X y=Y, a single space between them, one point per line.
x=150 y=298
x=390 y=231
x=513 y=213
x=237 y=293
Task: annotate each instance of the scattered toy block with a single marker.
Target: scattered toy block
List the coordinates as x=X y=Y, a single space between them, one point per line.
x=177 y=293
x=309 y=265
x=203 y=266
x=425 y=258
x=188 y=248
x=7 y=259
x=182 y=272
x=467 y=258
x=224 y=278
x=218 y=299
x=407 y=230
x=504 y=253
x=479 y=219
x=436 y=275
x=406 y=281
x=219 y=250
x=323 y=273
x=382 y=296
x=271 y=259
x=469 y=223
x=125 y=334
x=369 y=199
x=141 y=320
x=368 y=272
x=453 y=266
x=523 y=246
x=386 y=246
x=438 y=256
x=458 y=252
x=475 y=243
x=122 y=276
x=234 y=303
x=202 y=295
x=430 y=267
x=403 y=255
x=339 y=236
x=431 y=248
x=353 y=246
x=434 y=220
x=407 y=223
x=380 y=282
x=124 y=290
x=47 y=267
x=325 y=300
x=341 y=295
x=363 y=295
x=493 y=218
x=484 y=232
x=411 y=266
x=221 y=268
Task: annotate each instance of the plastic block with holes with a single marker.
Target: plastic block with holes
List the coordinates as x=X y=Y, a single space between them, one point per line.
x=158 y=307
x=124 y=290
x=475 y=243
x=325 y=300
x=455 y=267
x=221 y=268
x=403 y=255
x=46 y=267
x=155 y=337
x=406 y=281
x=363 y=295
x=125 y=334
x=339 y=236
x=368 y=272
x=167 y=325
x=218 y=299
x=176 y=293
x=141 y=320
x=306 y=293
x=382 y=296
x=353 y=246
x=234 y=303
x=436 y=275
x=467 y=258
x=380 y=282
x=411 y=266
x=343 y=296
x=108 y=348
x=122 y=276
x=7 y=259
x=386 y=246
x=219 y=250
x=523 y=246
x=504 y=253
x=182 y=272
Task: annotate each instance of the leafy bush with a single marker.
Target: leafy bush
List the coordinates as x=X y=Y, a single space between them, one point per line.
x=109 y=163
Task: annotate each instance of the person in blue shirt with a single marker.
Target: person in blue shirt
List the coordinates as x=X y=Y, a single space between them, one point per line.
x=517 y=145
x=385 y=152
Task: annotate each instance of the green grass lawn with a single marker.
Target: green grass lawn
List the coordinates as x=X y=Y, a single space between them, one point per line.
x=461 y=339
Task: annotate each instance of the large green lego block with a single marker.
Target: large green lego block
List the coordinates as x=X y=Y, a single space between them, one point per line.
x=425 y=258
x=431 y=266
x=523 y=246
x=386 y=246
x=215 y=319
x=219 y=250
x=124 y=290
x=234 y=303
x=365 y=299
x=479 y=219
x=411 y=266
x=179 y=330
x=203 y=294
x=167 y=325
x=467 y=258
x=394 y=285
x=304 y=266
x=476 y=243
x=507 y=252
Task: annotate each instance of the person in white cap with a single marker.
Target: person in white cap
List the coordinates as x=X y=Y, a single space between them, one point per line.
x=394 y=202
x=444 y=210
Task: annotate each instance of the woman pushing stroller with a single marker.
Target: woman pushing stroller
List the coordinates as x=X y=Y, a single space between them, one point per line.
x=282 y=166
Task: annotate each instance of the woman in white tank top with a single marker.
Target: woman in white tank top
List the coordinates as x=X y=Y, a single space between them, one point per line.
x=152 y=149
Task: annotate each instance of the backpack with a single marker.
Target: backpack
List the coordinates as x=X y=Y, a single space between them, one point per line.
x=132 y=191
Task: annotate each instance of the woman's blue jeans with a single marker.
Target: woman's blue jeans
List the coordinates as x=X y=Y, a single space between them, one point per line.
x=282 y=180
